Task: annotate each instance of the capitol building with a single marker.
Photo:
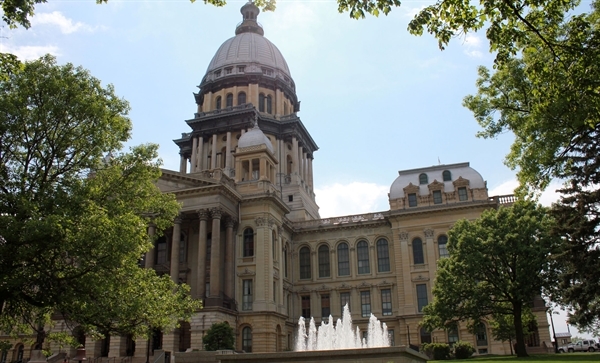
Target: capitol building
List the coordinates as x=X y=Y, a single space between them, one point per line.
x=249 y=239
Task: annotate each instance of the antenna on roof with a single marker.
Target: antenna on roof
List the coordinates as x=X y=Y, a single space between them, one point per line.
x=439 y=162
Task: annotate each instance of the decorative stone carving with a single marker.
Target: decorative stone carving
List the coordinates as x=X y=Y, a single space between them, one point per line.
x=216 y=213
x=246 y=272
x=428 y=233
x=403 y=235
x=178 y=219
x=229 y=222
x=262 y=221
x=202 y=214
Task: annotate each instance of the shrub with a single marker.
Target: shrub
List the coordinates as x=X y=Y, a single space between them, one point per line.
x=463 y=350
x=218 y=337
x=436 y=351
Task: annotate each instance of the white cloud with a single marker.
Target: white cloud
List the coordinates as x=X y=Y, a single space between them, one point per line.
x=66 y=25
x=472 y=43
x=411 y=12
x=29 y=52
x=354 y=198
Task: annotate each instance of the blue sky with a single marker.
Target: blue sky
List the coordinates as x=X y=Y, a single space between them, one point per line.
x=375 y=98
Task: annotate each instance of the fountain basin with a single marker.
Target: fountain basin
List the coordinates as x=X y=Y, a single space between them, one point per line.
x=400 y=354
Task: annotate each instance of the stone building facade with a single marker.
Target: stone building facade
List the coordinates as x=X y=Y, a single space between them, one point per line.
x=249 y=239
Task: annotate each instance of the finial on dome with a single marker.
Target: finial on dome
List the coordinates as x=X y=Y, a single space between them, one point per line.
x=249 y=24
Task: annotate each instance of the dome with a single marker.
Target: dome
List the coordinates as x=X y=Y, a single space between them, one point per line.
x=248 y=52
x=255 y=137
x=406 y=177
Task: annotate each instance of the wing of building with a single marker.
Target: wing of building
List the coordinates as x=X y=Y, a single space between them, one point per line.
x=250 y=241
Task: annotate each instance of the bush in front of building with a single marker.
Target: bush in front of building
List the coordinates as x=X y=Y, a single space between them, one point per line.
x=218 y=337
x=436 y=351
x=463 y=350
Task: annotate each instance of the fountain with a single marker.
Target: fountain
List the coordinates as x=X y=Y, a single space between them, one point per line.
x=341 y=336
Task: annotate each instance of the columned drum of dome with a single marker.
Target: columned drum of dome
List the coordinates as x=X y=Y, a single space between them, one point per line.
x=248 y=57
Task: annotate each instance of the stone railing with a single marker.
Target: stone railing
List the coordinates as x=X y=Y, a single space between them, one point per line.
x=367 y=217
x=504 y=199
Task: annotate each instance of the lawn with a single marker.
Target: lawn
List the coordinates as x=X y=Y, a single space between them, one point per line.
x=552 y=358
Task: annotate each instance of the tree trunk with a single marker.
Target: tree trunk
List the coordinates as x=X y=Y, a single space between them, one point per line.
x=520 y=348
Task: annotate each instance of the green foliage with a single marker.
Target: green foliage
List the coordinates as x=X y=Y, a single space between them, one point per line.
x=72 y=221
x=436 y=351
x=463 y=350
x=497 y=264
x=503 y=326
x=219 y=336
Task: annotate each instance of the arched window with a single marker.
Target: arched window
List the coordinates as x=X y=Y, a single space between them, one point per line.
x=218 y=103
x=446 y=175
x=443 y=250
x=269 y=104
x=248 y=242
x=241 y=98
x=423 y=178
x=343 y=257
x=452 y=335
x=383 y=256
x=425 y=336
x=20 y=352
x=481 y=335
x=362 y=249
x=304 y=263
x=324 y=269
x=261 y=102
x=247 y=339
x=418 y=257
x=229 y=100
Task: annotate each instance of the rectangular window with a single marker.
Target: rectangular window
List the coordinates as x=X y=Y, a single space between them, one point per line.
x=344 y=299
x=161 y=252
x=218 y=73
x=241 y=69
x=247 y=295
x=437 y=197
x=306 y=306
x=391 y=337
x=182 y=251
x=421 y=297
x=365 y=303
x=228 y=70
x=386 y=302
x=325 y=307
x=412 y=200
x=462 y=194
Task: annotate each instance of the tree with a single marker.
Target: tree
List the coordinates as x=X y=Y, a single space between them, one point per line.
x=497 y=265
x=503 y=327
x=219 y=336
x=72 y=220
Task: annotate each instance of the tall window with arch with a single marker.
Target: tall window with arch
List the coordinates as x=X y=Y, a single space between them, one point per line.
x=241 y=98
x=446 y=175
x=343 y=257
x=423 y=178
x=324 y=269
x=229 y=100
x=304 y=256
x=452 y=334
x=383 y=255
x=269 y=104
x=248 y=242
x=261 y=102
x=362 y=253
x=481 y=335
x=218 y=103
x=418 y=256
x=247 y=339
x=442 y=246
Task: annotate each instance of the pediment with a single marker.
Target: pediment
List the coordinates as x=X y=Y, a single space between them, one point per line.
x=411 y=188
x=172 y=181
x=435 y=185
x=461 y=182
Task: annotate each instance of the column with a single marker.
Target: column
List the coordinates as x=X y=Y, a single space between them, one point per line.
x=281 y=157
x=201 y=272
x=175 y=249
x=194 y=154
x=304 y=168
x=295 y=154
x=149 y=263
x=310 y=172
x=301 y=162
x=182 y=164
x=228 y=153
x=431 y=260
x=229 y=258
x=213 y=157
x=200 y=154
x=215 y=255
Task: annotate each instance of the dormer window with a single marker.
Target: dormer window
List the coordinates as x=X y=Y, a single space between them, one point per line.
x=446 y=175
x=228 y=70
x=462 y=194
x=423 y=179
x=437 y=197
x=412 y=200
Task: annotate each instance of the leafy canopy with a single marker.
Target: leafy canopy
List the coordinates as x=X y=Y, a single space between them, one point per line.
x=497 y=265
x=219 y=336
x=72 y=221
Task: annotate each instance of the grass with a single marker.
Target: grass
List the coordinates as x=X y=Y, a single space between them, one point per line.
x=551 y=358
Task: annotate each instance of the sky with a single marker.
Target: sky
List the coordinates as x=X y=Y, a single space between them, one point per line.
x=375 y=99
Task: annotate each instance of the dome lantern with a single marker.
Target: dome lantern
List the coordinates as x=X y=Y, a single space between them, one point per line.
x=249 y=24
